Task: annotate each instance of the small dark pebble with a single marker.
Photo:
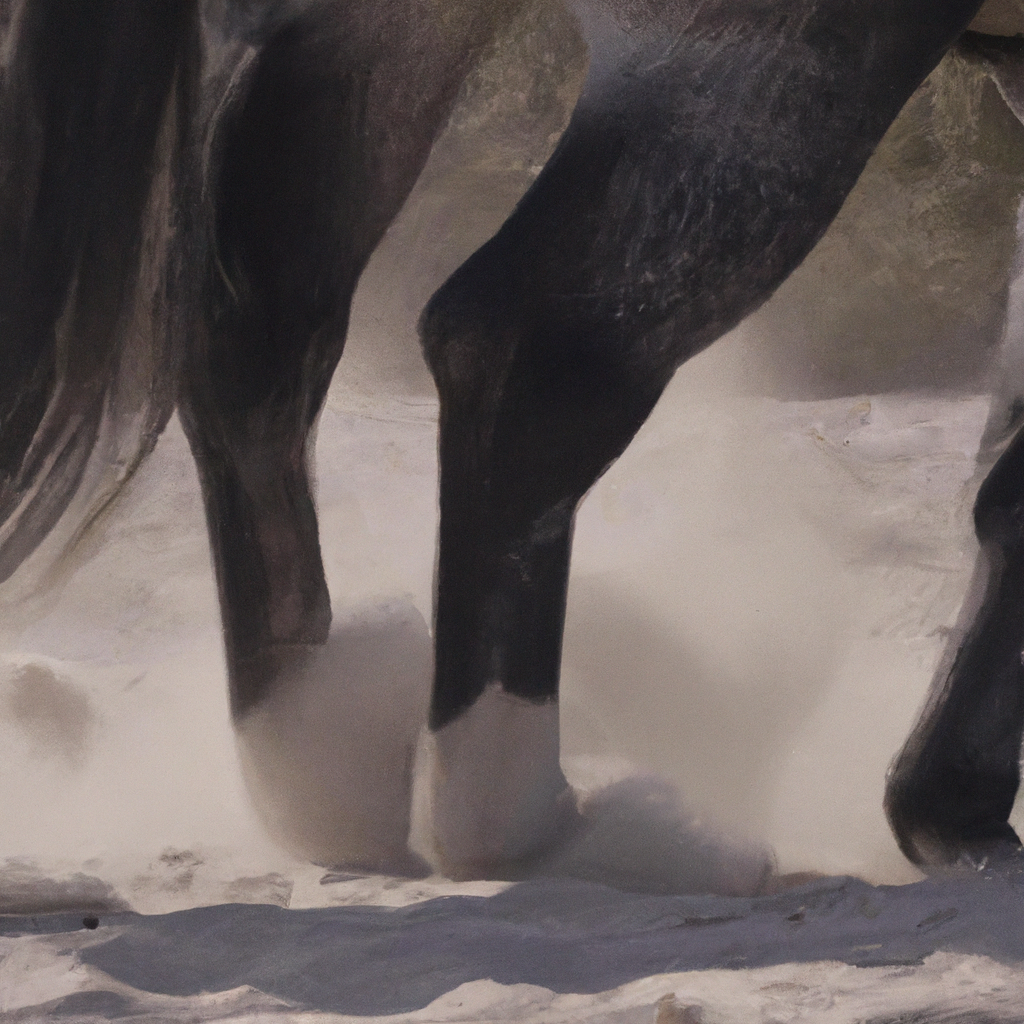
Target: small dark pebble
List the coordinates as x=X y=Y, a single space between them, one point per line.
x=90 y=922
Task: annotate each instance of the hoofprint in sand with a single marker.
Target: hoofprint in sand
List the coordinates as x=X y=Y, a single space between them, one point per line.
x=761 y=590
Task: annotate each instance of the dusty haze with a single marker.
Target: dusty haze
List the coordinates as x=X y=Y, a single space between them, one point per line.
x=760 y=586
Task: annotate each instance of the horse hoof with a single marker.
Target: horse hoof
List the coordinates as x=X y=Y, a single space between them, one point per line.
x=636 y=835
x=396 y=863
x=563 y=826
x=942 y=848
x=327 y=755
x=498 y=801
x=1002 y=855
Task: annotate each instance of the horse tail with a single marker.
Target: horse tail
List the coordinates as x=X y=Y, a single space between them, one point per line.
x=89 y=120
x=103 y=415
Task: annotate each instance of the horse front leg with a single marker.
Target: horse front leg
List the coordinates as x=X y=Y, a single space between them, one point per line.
x=952 y=787
x=279 y=275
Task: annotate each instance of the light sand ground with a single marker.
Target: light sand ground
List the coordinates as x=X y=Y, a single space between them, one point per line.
x=760 y=593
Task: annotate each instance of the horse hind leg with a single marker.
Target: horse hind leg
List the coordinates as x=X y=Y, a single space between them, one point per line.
x=320 y=143
x=279 y=278
x=287 y=184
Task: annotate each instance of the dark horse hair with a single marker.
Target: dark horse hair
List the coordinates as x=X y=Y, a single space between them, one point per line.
x=188 y=195
x=87 y=366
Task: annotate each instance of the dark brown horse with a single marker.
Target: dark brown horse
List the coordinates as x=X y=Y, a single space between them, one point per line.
x=189 y=193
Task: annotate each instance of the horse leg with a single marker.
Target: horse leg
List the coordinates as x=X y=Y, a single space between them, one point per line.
x=668 y=212
x=326 y=132
x=281 y=271
x=951 y=789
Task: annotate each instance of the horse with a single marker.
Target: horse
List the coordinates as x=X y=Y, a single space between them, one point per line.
x=179 y=231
